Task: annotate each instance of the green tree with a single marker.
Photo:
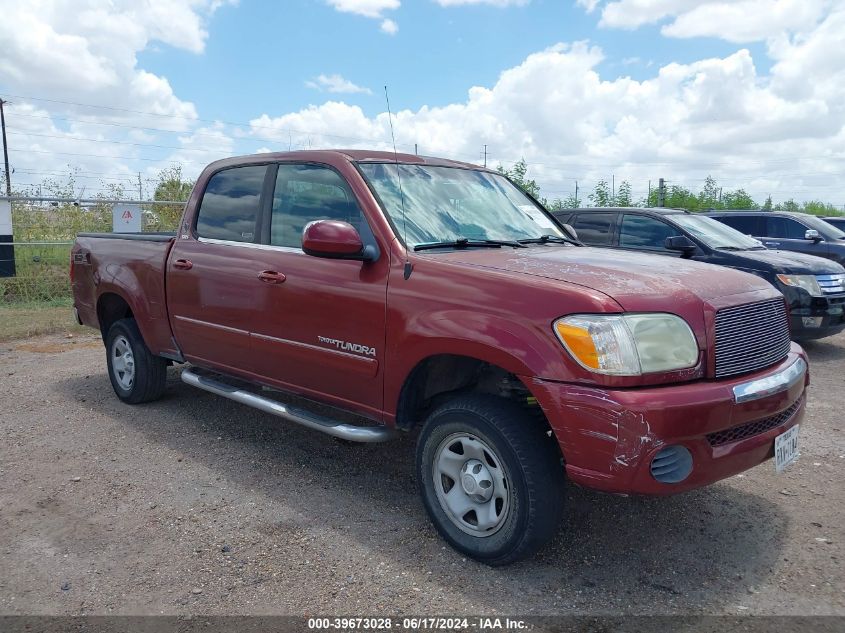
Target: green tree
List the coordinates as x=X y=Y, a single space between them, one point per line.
x=817 y=207
x=788 y=205
x=623 y=196
x=172 y=185
x=709 y=196
x=738 y=199
x=601 y=196
x=518 y=174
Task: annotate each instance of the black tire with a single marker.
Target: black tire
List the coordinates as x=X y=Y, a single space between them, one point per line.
x=149 y=372
x=530 y=462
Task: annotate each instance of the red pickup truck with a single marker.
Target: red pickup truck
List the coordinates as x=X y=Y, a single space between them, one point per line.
x=363 y=293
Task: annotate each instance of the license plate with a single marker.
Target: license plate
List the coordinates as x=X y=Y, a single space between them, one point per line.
x=786 y=448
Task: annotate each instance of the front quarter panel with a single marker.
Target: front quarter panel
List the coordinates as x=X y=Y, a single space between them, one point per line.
x=447 y=308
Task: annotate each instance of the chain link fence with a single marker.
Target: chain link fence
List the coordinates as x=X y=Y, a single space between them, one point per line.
x=35 y=256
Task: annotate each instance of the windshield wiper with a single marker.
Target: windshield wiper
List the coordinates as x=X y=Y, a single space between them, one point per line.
x=731 y=248
x=553 y=239
x=463 y=242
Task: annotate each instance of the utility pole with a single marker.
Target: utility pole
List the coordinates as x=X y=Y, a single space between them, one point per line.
x=140 y=189
x=577 y=201
x=485 y=156
x=5 y=150
x=613 y=187
x=661 y=193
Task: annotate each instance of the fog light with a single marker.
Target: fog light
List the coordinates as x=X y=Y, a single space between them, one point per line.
x=671 y=465
x=812 y=321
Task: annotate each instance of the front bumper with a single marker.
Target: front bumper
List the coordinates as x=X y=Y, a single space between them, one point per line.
x=817 y=317
x=610 y=437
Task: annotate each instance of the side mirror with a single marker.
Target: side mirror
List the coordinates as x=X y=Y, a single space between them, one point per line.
x=335 y=240
x=681 y=243
x=812 y=234
x=571 y=230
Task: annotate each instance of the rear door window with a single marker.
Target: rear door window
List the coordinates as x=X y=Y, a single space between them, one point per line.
x=305 y=193
x=230 y=204
x=594 y=228
x=640 y=231
x=785 y=228
x=747 y=224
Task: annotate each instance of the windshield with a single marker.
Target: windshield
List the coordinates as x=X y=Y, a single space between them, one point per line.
x=827 y=231
x=713 y=233
x=444 y=204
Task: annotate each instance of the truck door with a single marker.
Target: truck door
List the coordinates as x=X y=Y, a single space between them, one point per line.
x=319 y=324
x=211 y=282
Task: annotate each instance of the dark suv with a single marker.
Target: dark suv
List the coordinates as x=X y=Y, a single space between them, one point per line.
x=837 y=221
x=788 y=231
x=813 y=287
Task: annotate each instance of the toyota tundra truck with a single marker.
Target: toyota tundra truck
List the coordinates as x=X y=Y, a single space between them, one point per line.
x=364 y=294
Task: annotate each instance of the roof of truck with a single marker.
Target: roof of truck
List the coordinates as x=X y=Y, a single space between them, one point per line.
x=354 y=155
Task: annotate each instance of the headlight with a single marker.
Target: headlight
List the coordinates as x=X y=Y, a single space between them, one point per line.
x=628 y=344
x=806 y=282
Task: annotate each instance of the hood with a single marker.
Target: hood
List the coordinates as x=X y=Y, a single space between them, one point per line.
x=785 y=262
x=636 y=281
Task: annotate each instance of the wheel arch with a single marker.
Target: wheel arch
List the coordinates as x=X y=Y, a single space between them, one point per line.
x=438 y=376
x=112 y=307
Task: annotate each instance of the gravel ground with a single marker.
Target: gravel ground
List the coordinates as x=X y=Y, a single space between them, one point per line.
x=195 y=504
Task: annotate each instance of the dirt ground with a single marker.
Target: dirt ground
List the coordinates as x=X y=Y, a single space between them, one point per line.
x=195 y=504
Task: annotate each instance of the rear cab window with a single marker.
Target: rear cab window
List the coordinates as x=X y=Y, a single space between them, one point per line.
x=231 y=204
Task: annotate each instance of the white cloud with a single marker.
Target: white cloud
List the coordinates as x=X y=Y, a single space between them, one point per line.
x=337 y=84
x=737 y=21
x=373 y=9
x=778 y=133
x=367 y=8
x=389 y=26
x=85 y=52
x=589 y=5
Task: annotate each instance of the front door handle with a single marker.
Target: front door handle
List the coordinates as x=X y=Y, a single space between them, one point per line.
x=183 y=264
x=271 y=277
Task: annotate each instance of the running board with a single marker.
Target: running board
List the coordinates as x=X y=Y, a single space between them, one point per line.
x=349 y=432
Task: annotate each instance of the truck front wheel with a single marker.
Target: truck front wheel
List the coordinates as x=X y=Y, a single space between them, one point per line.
x=491 y=478
x=135 y=373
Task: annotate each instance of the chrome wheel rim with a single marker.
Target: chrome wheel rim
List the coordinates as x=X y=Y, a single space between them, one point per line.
x=471 y=484
x=122 y=362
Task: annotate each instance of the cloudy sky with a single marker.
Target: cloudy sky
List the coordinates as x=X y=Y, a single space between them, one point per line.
x=749 y=91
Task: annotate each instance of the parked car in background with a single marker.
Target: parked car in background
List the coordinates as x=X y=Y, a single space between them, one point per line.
x=362 y=293
x=814 y=287
x=788 y=231
x=837 y=221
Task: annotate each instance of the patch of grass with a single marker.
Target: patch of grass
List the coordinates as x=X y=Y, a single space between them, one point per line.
x=30 y=319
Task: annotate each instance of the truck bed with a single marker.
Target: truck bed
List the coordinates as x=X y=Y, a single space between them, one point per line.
x=141 y=237
x=130 y=266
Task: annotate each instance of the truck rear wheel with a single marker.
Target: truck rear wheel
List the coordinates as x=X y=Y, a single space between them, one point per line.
x=491 y=478
x=136 y=374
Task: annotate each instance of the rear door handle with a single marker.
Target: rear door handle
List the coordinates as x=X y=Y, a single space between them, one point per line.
x=271 y=277
x=183 y=264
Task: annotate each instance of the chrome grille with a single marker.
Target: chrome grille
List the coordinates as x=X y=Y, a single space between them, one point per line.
x=751 y=337
x=832 y=284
